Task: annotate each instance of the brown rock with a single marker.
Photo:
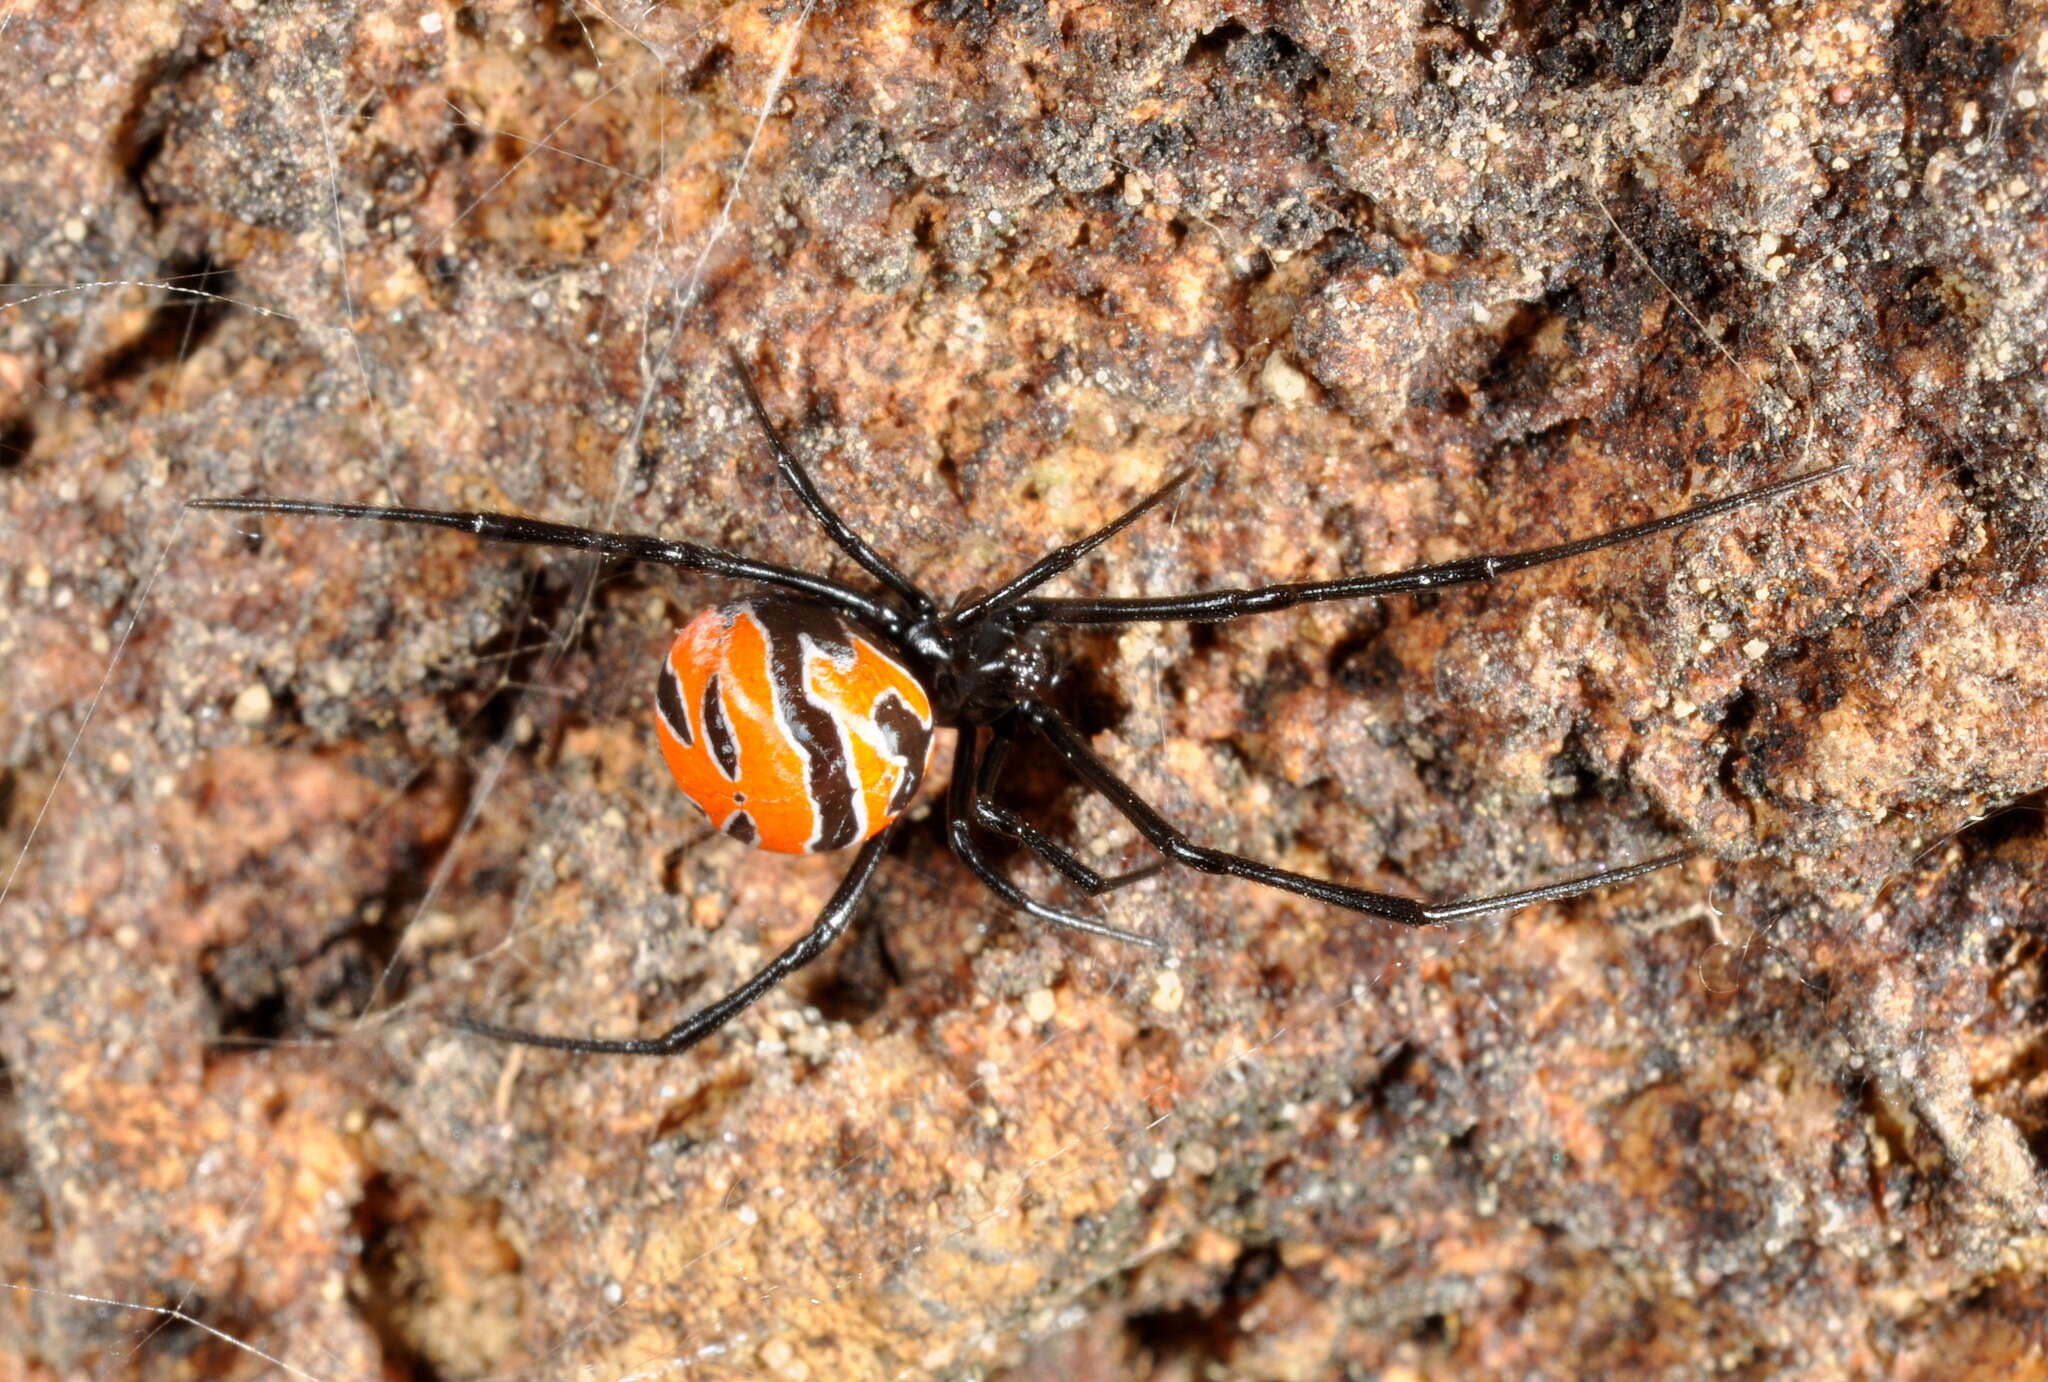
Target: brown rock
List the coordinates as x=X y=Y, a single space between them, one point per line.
x=1403 y=283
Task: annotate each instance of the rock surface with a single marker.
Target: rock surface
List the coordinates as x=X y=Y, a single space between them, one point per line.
x=1401 y=282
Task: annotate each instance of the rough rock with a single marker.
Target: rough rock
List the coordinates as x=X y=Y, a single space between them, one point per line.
x=1401 y=282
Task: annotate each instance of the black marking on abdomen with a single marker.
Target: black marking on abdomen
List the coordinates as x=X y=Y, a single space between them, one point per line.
x=910 y=739
x=668 y=699
x=828 y=765
x=718 y=731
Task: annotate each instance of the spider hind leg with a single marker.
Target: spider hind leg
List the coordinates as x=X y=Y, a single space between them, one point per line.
x=991 y=815
x=831 y=922
x=962 y=817
x=1062 y=860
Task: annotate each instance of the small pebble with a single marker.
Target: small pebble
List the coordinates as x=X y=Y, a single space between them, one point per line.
x=253 y=706
x=1282 y=381
x=1038 y=1005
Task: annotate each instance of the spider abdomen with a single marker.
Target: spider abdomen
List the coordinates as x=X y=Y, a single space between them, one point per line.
x=790 y=726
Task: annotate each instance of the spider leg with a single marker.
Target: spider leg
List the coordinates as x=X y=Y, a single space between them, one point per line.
x=1004 y=821
x=708 y=1019
x=960 y=821
x=1092 y=770
x=1209 y=606
x=799 y=479
x=1061 y=558
x=506 y=527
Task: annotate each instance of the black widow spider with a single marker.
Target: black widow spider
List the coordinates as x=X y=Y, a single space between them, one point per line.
x=823 y=705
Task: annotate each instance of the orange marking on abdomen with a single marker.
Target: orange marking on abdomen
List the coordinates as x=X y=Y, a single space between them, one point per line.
x=790 y=727
x=725 y=647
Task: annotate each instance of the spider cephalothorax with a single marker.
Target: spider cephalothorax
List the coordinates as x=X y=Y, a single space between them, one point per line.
x=978 y=672
x=802 y=721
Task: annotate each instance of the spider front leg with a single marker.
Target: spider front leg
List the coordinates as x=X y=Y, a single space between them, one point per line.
x=1168 y=840
x=1209 y=606
x=1004 y=821
x=706 y=1020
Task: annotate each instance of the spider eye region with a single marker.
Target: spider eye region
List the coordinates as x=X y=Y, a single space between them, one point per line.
x=790 y=726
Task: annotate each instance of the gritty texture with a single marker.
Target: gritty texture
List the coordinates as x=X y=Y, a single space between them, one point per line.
x=1400 y=282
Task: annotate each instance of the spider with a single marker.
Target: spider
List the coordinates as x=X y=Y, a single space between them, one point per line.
x=802 y=721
